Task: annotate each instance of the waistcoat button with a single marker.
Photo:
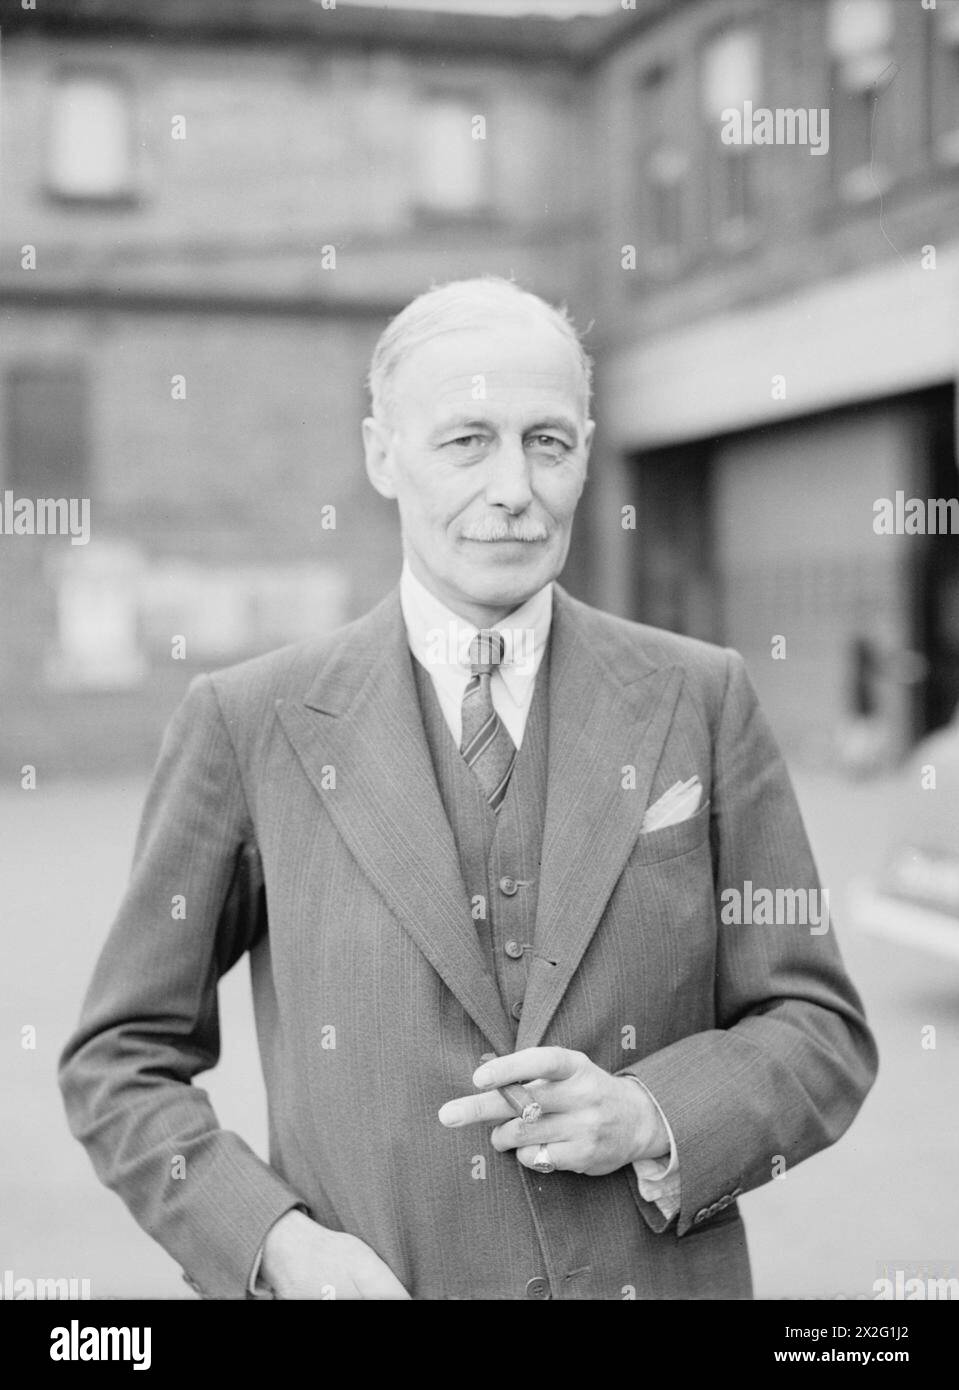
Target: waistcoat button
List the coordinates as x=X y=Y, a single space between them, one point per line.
x=537 y=1288
x=508 y=886
x=517 y=1009
x=514 y=950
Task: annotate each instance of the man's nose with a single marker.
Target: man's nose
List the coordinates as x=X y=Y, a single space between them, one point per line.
x=508 y=484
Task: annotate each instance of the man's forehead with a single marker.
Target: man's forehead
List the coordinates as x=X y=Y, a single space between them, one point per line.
x=525 y=355
x=515 y=386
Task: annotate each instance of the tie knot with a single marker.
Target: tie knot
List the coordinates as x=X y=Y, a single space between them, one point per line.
x=486 y=651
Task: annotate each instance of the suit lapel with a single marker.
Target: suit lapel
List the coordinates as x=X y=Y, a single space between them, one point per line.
x=361 y=716
x=609 y=708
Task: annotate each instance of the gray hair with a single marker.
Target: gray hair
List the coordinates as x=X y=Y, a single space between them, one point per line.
x=456 y=305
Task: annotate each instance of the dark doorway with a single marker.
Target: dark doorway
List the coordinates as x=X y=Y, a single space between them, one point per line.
x=674 y=577
x=938 y=589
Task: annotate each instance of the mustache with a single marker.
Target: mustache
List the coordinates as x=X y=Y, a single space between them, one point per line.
x=518 y=528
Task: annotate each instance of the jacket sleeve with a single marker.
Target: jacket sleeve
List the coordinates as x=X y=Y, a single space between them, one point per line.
x=150 y=1022
x=791 y=1059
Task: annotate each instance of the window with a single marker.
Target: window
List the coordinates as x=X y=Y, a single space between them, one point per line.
x=663 y=170
x=91 y=150
x=665 y=173
x=730 y=79
x=453 y=163
x=945 y=81
x=860 y=35
x=47 y=453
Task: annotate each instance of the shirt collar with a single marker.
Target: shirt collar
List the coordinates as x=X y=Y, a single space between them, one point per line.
x=440 y=638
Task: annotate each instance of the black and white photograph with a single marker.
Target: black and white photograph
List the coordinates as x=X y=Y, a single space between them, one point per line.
x=479 y=661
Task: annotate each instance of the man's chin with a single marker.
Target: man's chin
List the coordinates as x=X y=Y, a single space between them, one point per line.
x=511 y=573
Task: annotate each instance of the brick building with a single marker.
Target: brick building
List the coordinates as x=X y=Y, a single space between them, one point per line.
x=783 y=348
x=224 y=203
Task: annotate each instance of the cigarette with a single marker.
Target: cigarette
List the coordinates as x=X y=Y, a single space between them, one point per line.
x=517 y=1097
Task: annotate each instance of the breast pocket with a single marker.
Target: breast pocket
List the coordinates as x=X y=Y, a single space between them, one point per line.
x=672 y=840
x=665 y=918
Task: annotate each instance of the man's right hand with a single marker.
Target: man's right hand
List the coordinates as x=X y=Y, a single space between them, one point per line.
x=302 y=1259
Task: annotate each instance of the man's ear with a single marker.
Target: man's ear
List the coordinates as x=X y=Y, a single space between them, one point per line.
x=378 y=448
x=588 y=432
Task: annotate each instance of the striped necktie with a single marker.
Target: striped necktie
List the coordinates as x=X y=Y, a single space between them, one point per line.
x=486 y=744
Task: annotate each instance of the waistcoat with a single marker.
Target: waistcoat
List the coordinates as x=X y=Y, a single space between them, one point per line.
x=499 y=855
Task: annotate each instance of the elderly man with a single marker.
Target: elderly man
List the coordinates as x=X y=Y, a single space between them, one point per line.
x=482 y=819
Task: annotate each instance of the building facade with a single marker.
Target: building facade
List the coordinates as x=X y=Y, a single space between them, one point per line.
x=209 y=216
x=208 y=219
x=782 y=345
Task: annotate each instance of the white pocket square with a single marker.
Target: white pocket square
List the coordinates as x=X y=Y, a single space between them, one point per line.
x=676 y=805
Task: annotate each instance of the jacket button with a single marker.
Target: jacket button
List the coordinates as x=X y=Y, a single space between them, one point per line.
x=508 y=886
x=537 y=1288
x=517 y=1009
x=513 y=949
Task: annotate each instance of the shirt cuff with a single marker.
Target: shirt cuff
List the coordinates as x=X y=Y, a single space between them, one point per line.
x=658 y=1178
x=256 y=1288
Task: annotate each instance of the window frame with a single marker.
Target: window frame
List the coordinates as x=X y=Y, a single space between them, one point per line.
x=106 y=74
x=426 y=213
x=871 y=178
x=729 y=234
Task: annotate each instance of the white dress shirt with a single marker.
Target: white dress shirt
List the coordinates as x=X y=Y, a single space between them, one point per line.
x=440 y=641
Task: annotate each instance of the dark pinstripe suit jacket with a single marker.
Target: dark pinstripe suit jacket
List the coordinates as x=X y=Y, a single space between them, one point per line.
x=295 y=809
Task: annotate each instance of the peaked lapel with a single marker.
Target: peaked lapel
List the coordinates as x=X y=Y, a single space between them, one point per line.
x=609 y=708
x=361 y=715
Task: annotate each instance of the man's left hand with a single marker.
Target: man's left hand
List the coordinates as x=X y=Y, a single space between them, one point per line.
x=593 y=1122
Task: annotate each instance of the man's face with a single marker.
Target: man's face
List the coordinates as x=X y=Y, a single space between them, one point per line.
x=486 y=455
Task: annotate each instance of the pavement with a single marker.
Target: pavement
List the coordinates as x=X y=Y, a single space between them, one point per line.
x=885 y=1196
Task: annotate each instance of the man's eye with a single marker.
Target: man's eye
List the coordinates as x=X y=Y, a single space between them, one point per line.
x=467 y=441
x=547 y=441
